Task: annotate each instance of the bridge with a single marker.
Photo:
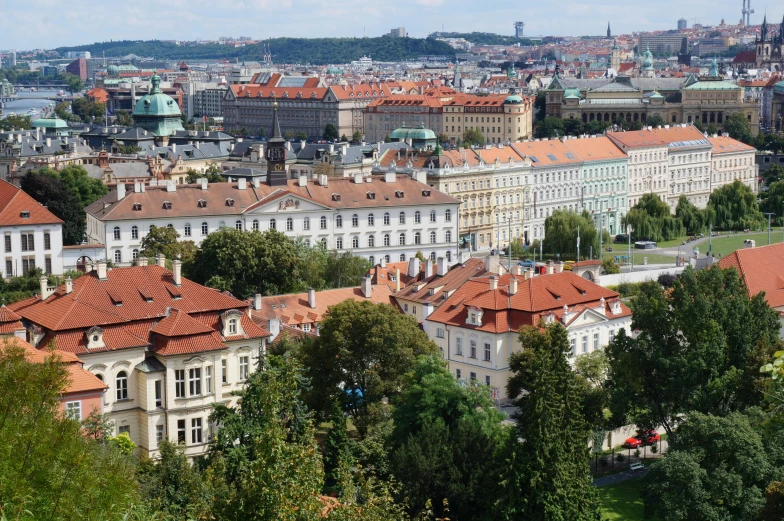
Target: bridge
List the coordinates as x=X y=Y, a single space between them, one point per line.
x=54 y=97
x=44 y=86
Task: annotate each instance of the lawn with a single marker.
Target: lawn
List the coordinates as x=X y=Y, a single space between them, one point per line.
x=622 y=501
x=639 y=256
x=726 y=245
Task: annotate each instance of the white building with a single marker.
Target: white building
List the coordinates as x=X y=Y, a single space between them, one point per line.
x=732 y=160
x=32 y=235
x=391 y=216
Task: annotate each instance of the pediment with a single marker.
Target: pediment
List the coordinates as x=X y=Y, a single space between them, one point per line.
x=286 y=204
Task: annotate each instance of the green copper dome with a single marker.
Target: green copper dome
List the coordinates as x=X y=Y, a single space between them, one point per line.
x=513 y=99
x=647 y=63
x=113 y=70
x=157 y=112
x=420 y=133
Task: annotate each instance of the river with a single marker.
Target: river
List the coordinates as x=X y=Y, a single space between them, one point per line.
x=23 y=106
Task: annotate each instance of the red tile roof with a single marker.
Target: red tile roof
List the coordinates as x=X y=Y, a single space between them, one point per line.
x=761 y=269
x=180 y=324
x=13 y=202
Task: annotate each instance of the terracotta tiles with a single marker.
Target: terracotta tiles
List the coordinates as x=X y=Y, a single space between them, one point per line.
x=18 y=208
x=762 y=270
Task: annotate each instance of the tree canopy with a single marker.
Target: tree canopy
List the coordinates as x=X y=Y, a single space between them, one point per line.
x=50 y=191
x=330 y=132
x=561 y=234
x=162 y=240
x=735 y=207
x=650 y=219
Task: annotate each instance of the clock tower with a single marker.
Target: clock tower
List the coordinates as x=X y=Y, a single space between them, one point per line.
x=276 y=154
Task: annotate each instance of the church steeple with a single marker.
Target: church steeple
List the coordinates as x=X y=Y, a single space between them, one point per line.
x=609 y=33
x=276 y=153
x=764 y=31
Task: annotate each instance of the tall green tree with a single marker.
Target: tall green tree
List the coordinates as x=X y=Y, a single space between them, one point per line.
x=540 y=106
x=546 y=473
x=86 y=189
x=472 y=136
x=561 y=234
x=735 y=207
x=15 y=121
x=774 y=201
x=362 y=352
x=738 y=126
x=165 y=241
x=655 y=121
x=50 y=191
x=331 y=132
x=693 y=219
x=651 y=218
x=345 y=269
x=549 y=127
x=772 y=174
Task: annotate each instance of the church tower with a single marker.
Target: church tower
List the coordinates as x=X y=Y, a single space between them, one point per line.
x=276 y=154
x=615 y=58
x=609 y=33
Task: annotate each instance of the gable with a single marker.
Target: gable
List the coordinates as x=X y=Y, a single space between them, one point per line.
x=285 y=203
x=586 y=317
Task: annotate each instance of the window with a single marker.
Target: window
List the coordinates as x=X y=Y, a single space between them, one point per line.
x=244 y=362
x=402 y=257
x=473 y=349
x=28 y=263
x=339 y=221
x=272 y=224
x=159 y=434
x=473 y=377
x=323 y=223
x=448 y=216
x=208 y=379
x=224 y=372
x=371 y=220
x=122 y=385
x=371 y=244
x=372 y=260
x=179 y=383
x=289 y=224
x=612 y=335
x=181 y=431
x=595 y=341
x=440 y=332
x=355 y=242
x=117 y=256
x=159 y=393
x=386 y=240
x=449 y=256
x=432 y=216
x=487 y=380
x=402 y=239
x=187 y=229
x=194 y=381
x=448 y=236
x=8 y=243
x=238 y=225
x=354 y=220
x=135 y=253
x=204 y=229
x=232 y=326
x=417 y=217
x=585 y=344
x=306 y=223
x=339 y=243
x=487 y=352
x=402 y=218
x=417 y=238
x=458 y=373
x=48 y=265
x=196 y=430
x=73 y=411
x=386 y=221
x=124 y=429
x=47 y=241
x=116 y=233
x=28 y=241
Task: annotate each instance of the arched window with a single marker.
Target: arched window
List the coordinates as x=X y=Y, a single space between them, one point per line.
x=371 y=241
x=323 y=222
x=355 y=220
x=402 y=239
x=238 y=224
x=448 y=236
x=117 y=256
x=170 y=226
x=402 y=218
x=402 y=257
x=122 y=385
x=339 y=243
x=306 y=223
x=135 y=254
x=372 y=260
x=355 y=242
x=272 y=224
x=432 y=237
x=448 y=216
x=221 y=225
x=289 y=224
x=99 y=376
x=387 y=258
x=134 y=232
x=386 y=218
x=324 y=242
x=417 y=238
x=255 y=224
x=432 y=216
x=386 y=239
x=433 y=256
x=449 y=256
x=204 y=229
x=371 y=220
x=187 y=229
x=116 y=233
x=339 y=221
x=417 y=217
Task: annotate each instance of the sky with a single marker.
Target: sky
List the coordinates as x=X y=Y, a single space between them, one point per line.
x=33 y=24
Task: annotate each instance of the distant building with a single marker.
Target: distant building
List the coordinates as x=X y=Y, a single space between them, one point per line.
x=682 y=24
x=12 y=58
x=770 y=48
x=78 y=68
x=519 y=26
x=398 y=32
x=6 y=89
x=665 y=43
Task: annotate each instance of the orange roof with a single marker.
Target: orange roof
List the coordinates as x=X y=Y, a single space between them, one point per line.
x=546 y=153
x=98 y=95
x=657 y=136
x=727 y=145
x=762 y=270
x=18 y=208
x=82 y=380
x=435 y=289
x=167 y=346
x=180 y=324
x=595 y=148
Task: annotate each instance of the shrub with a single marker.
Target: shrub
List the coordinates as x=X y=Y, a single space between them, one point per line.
x=620 y=458
x=637 y=453
x=667 y=279
x=609 y=267
x=604 y=461
x=654 y=448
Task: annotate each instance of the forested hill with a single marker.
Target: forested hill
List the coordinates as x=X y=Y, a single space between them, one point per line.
x=284 y=50
x=484 y=38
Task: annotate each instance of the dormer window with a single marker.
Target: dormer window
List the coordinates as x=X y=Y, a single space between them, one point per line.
x=232 y=323
x=137 y=207
x=94 y=337
x=371 y=195
x=474 y=317
x=336 y=197
x=202 y=203
x=229 y=202
x=167 y=205
x=426 y=193
x=399 y=194
x=25 y=214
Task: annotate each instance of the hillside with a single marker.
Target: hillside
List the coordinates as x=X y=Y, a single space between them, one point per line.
x=484 y=38
x=317 y=51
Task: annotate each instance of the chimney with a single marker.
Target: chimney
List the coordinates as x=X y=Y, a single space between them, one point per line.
x=517 y=270
x=136 y=187
x=397 y=279
x=493 y=283
x=160 y=260
x=559 y=266
x=428 y=268
x=177 y=272
x=390 y=177
x=383 y=262
x=242 y=183
x=68 y=285
x=358 y=179
x=441 y=267
x=303 y=144
x=513 y=286
x=45 y=291
x=367 y=287
x=273 y=326
x=203 y=182
x=550 y=267
x=256 y=182
x=413 y=267
x=48 y=142
x=529 y=273
x=303 y=180
x=102 y=270
x=323 y=180
x=288 y=146
x=171 y=187
x=257 y=301
x=141 y=261
x=120 y=191
x=331 y=149
x=312 y=298
x=174 y=148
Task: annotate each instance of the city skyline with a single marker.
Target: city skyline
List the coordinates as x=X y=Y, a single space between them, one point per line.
x=83 y=23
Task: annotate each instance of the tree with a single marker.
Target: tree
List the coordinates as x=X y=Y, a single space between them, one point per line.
x=87 y=110
x=549 y=127
x=609 y=267
x=330 y=132
x=573 y=127
x=301 y=136
x=735 y=207
x=772 y=174
x=212 y=175
x=712 y=129
x=336 y=450
x=650 y=219
x=128 y=149
x=774 y=201
x=356 y=137
x=699 y=348
x=540 y=106
x=343 y=138
x=47 y=467
x=361 y=354
x=75 y=83
x=124 y=118
x=694 y=220
x=546 y=474
x=15 y=121
x=63 y=111
x=655 y=121
x=561 y=234
x=716 y=468
x=737 y=126
x=248 y=262
x=86 y=189
x=472 y=136
x=163 y=240
x=345 y=269
x=262 y=132
x=50 y=191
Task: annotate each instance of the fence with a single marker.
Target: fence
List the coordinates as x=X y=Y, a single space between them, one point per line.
x=637 y=276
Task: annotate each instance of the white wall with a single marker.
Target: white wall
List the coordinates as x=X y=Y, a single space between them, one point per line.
x=39 y=253
x=636 y=276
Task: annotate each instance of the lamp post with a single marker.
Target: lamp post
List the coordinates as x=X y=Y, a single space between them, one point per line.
x=769 y=214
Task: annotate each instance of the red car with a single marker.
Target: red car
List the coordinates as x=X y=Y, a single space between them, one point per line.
x=648 y=437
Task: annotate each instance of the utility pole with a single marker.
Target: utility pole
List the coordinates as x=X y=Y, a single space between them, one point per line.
x=768 y=214
x=601 y=230
x=578 y=243
x=629 y=236
x=710 y=238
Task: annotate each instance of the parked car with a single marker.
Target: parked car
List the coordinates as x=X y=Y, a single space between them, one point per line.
x=650 y=437
x=632 y=443
x=568 y=265
x=527 y=263
x=621 y=237
x=645 y=437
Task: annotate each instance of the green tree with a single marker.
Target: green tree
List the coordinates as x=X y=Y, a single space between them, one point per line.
x=86 y=189
x=694 y=220
x=345 y=269
x=774 y=201
x=549 y=127
x=50 y=191
x=655 y=121
x=211 y=174
x=63 y=111
x=330 y=132
x=75 y=83
x=573 y=127
x=301 y=136
x=561 y=234
x=735 y=207
x=361 y=354
x=262 y=132
x=594 y=127
x=15 y=121
x=772 y=174
x=699 y=348
x=343 y=138
x=716 y=468
x=738 y=127
x=712 y=129
x=47 y=467
x=650 y=218
x=546 y=475
x=289 y=134
x=356 y=137
x=124 y=118
x=609 y=267
x=128 y=149
x=336 y=450
x=163 y=240
x=540 y=106
x=472 y=136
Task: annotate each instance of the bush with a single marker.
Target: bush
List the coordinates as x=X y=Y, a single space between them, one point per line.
x=628 y=289
x=604 y=460
x=667 y=279
x=620 y=458
x=637 y=453
x=609 y=267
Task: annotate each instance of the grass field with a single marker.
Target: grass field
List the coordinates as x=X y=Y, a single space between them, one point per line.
x=639 y=256
x=726 y=245
x=622 y=501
